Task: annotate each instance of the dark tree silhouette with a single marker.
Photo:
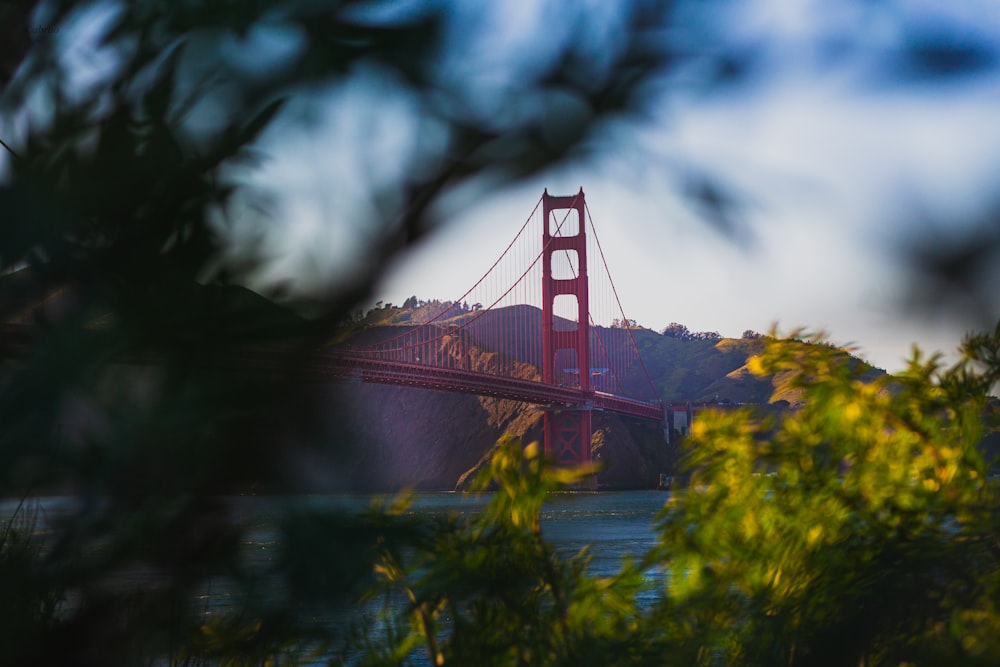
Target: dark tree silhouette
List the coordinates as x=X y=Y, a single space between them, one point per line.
x=142 y=379
x=141 y=376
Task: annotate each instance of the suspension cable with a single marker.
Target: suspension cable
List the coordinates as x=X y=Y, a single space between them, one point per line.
x=619 y=302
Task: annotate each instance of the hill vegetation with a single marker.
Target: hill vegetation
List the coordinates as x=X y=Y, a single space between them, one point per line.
x=438 y=440
x=870 y=541
x=701 y=367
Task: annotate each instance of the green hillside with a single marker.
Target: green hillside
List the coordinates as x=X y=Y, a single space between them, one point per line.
x=683 y=365
x=435 y=440
x=702 y=370
x=716 y=371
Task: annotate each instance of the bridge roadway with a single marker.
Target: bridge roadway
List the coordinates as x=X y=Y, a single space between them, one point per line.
x=16 y=340
x=355 y=365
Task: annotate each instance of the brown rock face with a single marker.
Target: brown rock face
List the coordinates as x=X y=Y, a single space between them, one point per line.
x=385 y=438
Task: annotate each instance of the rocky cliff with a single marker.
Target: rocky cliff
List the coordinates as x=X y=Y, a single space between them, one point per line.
x=388 y=438
x=402 y=437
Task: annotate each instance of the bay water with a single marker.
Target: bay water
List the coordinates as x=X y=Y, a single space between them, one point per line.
x=612 y=525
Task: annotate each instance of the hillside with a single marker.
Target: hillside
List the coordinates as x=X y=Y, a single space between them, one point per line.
x=696 y=367
x=432 y=440
x=714 y=370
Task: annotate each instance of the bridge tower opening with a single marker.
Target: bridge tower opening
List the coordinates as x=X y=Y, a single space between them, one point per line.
x=568 y=430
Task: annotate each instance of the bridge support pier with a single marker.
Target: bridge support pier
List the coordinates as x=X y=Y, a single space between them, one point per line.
x=568 y=435
x=567 y=431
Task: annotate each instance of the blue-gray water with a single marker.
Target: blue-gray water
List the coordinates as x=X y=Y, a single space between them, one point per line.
x=613 y=525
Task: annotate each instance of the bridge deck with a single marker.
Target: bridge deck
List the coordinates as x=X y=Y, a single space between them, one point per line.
x=16 y=340
x=348 y=364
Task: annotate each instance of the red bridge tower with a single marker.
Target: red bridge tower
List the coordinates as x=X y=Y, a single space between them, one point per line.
x=567 y=429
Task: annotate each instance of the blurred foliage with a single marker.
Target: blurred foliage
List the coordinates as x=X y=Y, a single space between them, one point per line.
x=142 y=380
x=858 y=529
x=31 y=598
x=491 y=591
x=141 y=377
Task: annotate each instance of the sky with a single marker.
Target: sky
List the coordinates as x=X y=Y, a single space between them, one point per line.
x=834 y=150
x=836 y=156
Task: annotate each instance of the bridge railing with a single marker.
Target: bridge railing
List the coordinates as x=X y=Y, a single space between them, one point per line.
x=368 y=369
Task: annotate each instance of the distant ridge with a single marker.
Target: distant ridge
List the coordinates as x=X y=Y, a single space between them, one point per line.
x=702 y=367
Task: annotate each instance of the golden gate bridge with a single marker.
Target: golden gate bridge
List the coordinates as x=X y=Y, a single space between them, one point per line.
x=543 y=329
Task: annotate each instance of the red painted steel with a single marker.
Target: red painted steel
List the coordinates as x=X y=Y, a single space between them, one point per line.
x=567 y=434
x=493 y=351
x=343 y=364
x=16 y=341
x=492 y=347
